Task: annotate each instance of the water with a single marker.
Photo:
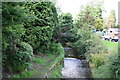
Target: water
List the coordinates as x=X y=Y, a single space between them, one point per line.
x=75 y=68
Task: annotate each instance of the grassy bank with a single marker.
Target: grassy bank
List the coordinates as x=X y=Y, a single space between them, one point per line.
x=112 y=46
x=43 y=64
x=110 y=65
x=56 y=71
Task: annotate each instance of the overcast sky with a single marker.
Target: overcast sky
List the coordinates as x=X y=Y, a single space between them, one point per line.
x=73 y=6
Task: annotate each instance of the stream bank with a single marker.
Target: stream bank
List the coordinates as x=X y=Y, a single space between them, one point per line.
x=75 y=67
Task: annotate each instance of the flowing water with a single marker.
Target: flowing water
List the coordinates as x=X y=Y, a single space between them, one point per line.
x=75 y=68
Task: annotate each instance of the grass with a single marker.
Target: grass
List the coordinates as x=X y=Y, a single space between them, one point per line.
x=112 y=46
x=43 y=61
x=56 y=72
x=103 y=71
x=24 y=74
x=40 y=60
x=41 y=65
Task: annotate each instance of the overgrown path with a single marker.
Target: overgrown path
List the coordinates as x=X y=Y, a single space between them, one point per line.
x=43 y=65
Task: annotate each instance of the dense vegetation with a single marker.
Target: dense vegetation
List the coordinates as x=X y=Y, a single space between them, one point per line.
x=103 y=58
x=28 y=29
x=35 y=28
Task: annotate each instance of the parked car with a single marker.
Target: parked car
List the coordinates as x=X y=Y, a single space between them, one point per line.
x=111 y=34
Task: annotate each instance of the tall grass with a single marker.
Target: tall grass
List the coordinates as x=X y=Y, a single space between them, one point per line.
x=111 y=67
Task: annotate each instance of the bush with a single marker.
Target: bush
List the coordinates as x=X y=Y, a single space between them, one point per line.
x=82 y=43
x=11 y=35
x=101 y=72
x=20 y=60
x=56 y=48
x=89 y=43
x=39 y=38
x=110 y=68
x=114 y=65
x=98 y=59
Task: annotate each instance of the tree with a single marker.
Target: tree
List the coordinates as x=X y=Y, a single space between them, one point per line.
x=39 y=32
x=111 y=21
x=65 y=25
x=98 y=24
x=90 y=17
x=66 y=21
x=14 y=16
x=14 y=13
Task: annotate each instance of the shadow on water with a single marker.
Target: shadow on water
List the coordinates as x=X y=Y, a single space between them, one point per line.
x=75 y=66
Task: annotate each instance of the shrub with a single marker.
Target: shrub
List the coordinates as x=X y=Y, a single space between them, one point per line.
x=56 y=48
x=89 y=43
x=114 y=65
x=98 y=59
x=11 y=35
x=20 y=60
x=39 y=38
x=110 y=68
x=82 y=43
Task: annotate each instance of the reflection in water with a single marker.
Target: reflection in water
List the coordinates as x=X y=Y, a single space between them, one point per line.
x=75 y=68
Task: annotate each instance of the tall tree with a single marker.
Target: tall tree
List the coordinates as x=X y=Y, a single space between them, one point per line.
x=14 y=57
x=89 y=18
x=65 y=25
x=91 y=14
x=40 y=31
x=66 y=22
x=111 y=21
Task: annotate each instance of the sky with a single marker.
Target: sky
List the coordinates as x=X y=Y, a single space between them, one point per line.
x=73 y=6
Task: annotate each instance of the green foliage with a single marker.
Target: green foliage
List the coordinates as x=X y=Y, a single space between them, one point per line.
x=113 y=62
x=20 y=60
x=88 y=18
x=56 y=48
x=30 y=22
x=72 y=35
x=25 y=47
x=39 y=38
x=24 y=74
x=111 y=67
x=88 y=43
x=111 y=21
x=98 y=24
x=40 y=31
x=101 y=72
x=11 y=36
x=44 y=12
x=117 y=26
x=16 y=55
x=95 y=45
x=14 y=13
x=65 y=27
x=82 y=43
x=98 y=59
x=66 y=20
x=91 y=16
x=56 y=73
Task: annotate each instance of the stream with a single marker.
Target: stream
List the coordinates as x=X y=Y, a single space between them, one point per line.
x=74 y=67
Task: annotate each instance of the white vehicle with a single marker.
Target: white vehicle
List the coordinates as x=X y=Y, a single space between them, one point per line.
x=111 y=34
